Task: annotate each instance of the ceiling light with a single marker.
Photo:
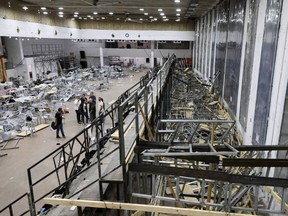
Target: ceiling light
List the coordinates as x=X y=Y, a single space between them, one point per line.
x=88 y=15
x=61 y=13
x=60 y=8
x=177 y=20
x=141 y=9
x=25 y=8
x=160 y=9
x=118 y=18
x=92 y=18
x=146 y=14
x=80 y=18
x=129 y=19
x=140 y=19
x=103 y=18
x=162 y=14
x=95 y=13
x=110 y=13
x=43 y=8
x=166 y=20
x=155 y=19
x=177 y=14
x=178 y=9
x=151 y=17
x=45 y=12
x=76 y=13
x=85 y=18
x=177 y=1
x=164 y=17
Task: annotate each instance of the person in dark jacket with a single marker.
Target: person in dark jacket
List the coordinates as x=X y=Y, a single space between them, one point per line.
x=59 y=124
x=92 y=111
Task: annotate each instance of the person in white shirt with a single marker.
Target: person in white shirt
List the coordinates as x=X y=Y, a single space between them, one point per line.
x=77 y=102
x=101 y=108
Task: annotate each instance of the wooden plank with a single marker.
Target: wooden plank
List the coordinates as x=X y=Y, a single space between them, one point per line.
x=37 y=128
x=137 y=207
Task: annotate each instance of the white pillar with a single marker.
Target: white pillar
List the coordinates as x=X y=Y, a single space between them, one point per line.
x=152 y=59
x=101 y=57
x=255 y=72
x=152 y=55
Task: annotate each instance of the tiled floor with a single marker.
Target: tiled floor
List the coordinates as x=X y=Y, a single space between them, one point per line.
x=13 y=166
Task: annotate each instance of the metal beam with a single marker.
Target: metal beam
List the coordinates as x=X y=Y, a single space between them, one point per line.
x=253 y=162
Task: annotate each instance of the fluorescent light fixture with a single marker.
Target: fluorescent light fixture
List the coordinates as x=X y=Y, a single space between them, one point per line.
x=146 y=14
x=177 y=14
x=141 y=9
x=60 y=8
x=91 y=18
x=162 y=14
x=110 y=13
x=85 y=18
x=60 y=12
x=103 y=18
x=60 y=15
x=80 y=18
x=164 y=17
x=155 y=19
x=160 y=9
x=151 y=17
x=177 y=1
x=25 y=8
x=178 y=9
x=76 y=13
x=88 y=15
x=140 y=19
x=95 y=13
x=177 y=20
x=118 y=18
x=43 y=8
x=45 y=12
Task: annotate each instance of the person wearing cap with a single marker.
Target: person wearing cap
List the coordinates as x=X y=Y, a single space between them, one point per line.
x=77 y=102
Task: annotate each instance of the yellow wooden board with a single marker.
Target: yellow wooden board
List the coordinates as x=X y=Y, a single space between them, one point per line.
x=37 y=128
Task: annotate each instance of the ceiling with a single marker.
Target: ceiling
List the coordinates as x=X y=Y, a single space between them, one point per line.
x=128 y=10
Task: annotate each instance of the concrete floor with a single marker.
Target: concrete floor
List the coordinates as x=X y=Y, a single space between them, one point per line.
x=13 y=166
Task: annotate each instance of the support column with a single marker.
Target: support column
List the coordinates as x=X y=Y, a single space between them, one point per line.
x=101 y=57
x=152 y=55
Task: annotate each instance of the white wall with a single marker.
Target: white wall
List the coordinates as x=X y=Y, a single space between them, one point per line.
x=16 y=28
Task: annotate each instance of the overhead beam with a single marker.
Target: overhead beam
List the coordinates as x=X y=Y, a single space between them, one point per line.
x=207 y=174
x=253 y=162
x=137 y=207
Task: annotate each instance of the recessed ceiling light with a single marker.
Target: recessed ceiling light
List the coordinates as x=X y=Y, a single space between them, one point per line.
x=45 y=12
x=162 y=14
x=76 y=13
x=60 y=8
x=60 y=12
x=110 y=13
x=177 y=1
x=95 y=13
x=177 y=14
x=146 y=14
x=43 y=8
x=141 y=9
x=178 y=9
x=160 y=9
x=25 y=8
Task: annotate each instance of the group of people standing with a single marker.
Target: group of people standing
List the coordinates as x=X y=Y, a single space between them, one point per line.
x=85 y=108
